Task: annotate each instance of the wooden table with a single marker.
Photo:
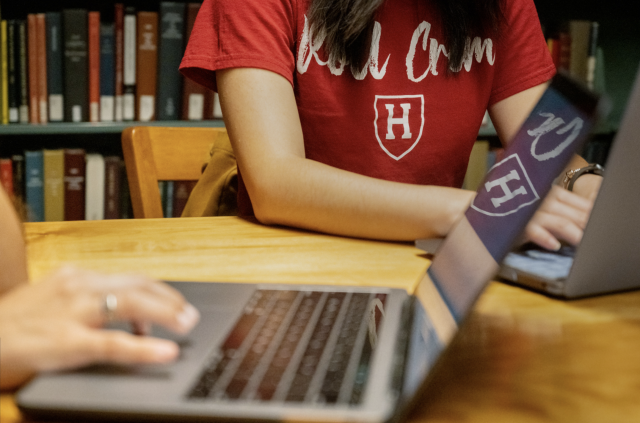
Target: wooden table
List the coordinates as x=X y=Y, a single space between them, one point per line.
x=520 y=357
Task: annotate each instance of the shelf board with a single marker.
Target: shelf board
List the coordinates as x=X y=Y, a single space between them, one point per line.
x=97 y=127
x=117 y=127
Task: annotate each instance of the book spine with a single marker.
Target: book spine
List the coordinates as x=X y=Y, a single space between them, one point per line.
x=168 y=199
x=171 y=49
x=34 y=186
x=107 y=73
x=55 y=77
x=94 y=66
x=94 y=197
x=4 y=73
x=579 y=30
x=112 y=191
x=41 y=46
x=592 y=52
x=162 y=187
x=53 y=171
x=76 y=65
x=477 y=167
x=564 y=60
x=33 y=69
x=24 y=74
x=217 y=110
x=555 y=55
x=194 y=95
x=181 y=192
x=209 y=98
x=6 y=176
x=126 y=208
x=13 y=76
x=146 y=67
x=119 y=61
x=129 y=63
x=74 y=184
x=18 y=185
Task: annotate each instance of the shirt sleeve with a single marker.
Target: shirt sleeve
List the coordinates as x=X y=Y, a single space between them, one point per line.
x=241 y=33
x=522 y=57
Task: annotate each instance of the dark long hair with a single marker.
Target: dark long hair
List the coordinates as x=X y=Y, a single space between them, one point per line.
x=348 y=26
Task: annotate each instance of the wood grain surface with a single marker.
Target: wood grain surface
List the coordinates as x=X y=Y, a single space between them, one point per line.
x=520 y=356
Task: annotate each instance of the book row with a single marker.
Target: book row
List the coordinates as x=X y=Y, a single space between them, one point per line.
x=574 y=48
x=70 y=184
x=70 y=66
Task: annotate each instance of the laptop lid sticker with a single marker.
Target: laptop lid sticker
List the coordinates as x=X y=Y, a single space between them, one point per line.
x=512 y=191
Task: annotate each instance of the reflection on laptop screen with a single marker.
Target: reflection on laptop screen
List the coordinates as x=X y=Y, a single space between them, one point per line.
x=508 y=198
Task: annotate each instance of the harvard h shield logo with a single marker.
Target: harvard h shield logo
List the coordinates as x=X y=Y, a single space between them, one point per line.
x=399 y=122
x=508 y=189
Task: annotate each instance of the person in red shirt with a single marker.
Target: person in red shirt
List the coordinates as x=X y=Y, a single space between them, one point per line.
x=358 y=118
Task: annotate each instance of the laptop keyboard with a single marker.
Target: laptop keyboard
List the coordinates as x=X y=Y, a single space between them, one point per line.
x=554 y=265
x=296 y=346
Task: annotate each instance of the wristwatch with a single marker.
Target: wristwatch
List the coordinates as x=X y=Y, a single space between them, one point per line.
x=571 y=175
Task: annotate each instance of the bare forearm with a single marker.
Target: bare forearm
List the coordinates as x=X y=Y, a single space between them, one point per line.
x=312 y=195
x=13 y=265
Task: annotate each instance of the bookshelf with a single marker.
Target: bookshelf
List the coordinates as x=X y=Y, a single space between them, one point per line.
x=168 y=113
x=619 y=37
x=89 y=128
x=96 y=138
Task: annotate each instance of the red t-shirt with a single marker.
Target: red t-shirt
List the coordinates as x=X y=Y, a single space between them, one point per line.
x=402 y=118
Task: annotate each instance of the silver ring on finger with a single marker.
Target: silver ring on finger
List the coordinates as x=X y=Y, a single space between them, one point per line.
x=110 y=307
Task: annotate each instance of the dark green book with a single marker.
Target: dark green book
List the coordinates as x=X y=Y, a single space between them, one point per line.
x=76 y=65
x=170 y=53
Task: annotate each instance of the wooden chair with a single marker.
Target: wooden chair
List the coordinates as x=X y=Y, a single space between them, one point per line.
x=154 y=153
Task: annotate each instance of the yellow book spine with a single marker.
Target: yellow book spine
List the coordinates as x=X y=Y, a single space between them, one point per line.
x=53 y=170
x=5 y=73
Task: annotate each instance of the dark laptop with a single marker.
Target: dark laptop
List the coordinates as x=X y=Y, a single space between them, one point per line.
x=607 y=257
x=323 y=353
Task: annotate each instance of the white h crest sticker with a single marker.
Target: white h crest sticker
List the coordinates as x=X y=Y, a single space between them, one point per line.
x=502 y=183
x=509 y=200
x=404 y=121
x=387 y=111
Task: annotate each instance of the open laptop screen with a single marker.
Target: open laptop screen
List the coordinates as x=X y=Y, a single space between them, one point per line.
x=505 y=202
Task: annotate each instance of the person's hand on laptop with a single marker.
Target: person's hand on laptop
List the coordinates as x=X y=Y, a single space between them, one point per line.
x=57 y=323
x=562 y=217
x=588 y=186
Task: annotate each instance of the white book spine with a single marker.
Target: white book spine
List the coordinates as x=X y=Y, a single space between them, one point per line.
x=94 y=197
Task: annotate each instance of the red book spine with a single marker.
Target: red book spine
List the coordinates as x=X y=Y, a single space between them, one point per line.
x=112 y=201
x=94 y=66
x=6 y=176
x=119 y=60
x=41 y=46
x=74 y=184
x=555 y=52
x=147 y=65
x=32 y=53
x=564 y=51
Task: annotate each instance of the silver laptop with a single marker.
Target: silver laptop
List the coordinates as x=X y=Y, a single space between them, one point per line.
x=607 y=258
x=323 y=353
